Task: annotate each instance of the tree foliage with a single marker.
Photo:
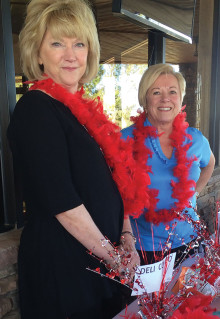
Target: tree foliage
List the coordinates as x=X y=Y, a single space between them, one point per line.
x=118 y=112
x=95 y=88
x=118 y=104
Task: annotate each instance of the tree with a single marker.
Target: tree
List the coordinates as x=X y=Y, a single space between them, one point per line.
x=118 y=104
x=124 y=79
x=131 y=77
x=95 y=88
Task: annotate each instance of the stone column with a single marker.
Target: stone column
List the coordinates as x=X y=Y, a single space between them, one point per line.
x=189 y=71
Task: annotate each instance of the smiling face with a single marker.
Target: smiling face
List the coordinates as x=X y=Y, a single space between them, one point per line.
x=163 y=100
x=64 y=60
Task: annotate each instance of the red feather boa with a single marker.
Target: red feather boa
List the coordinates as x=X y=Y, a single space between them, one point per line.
x=127 y=159
x=129 y=176
x=183 y=190
x=195 y=307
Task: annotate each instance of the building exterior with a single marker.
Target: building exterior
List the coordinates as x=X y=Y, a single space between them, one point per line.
x=202 y=74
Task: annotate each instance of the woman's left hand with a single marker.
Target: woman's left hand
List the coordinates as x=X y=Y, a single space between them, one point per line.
x=130 y=259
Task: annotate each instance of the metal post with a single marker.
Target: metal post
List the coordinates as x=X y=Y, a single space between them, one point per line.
x=156 y=47
x=7 y=103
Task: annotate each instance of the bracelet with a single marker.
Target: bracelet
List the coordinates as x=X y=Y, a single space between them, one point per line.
x=129 y=233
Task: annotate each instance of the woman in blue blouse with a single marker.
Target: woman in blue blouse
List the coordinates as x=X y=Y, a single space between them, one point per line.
x=179 y=161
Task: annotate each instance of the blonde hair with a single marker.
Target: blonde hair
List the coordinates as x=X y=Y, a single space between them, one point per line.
x=150 y=76
x=64 y=18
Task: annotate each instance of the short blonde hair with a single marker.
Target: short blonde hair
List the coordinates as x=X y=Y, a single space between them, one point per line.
x=64 y=18
x=150 y=76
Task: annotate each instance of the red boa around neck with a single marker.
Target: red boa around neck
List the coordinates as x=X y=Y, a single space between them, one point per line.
x=129 y=176
x=183 y=190
x=127 y=159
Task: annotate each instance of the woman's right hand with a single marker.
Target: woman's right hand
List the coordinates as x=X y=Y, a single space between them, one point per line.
x=79 y=224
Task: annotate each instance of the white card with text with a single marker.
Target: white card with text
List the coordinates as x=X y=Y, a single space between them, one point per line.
x=148 y=278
